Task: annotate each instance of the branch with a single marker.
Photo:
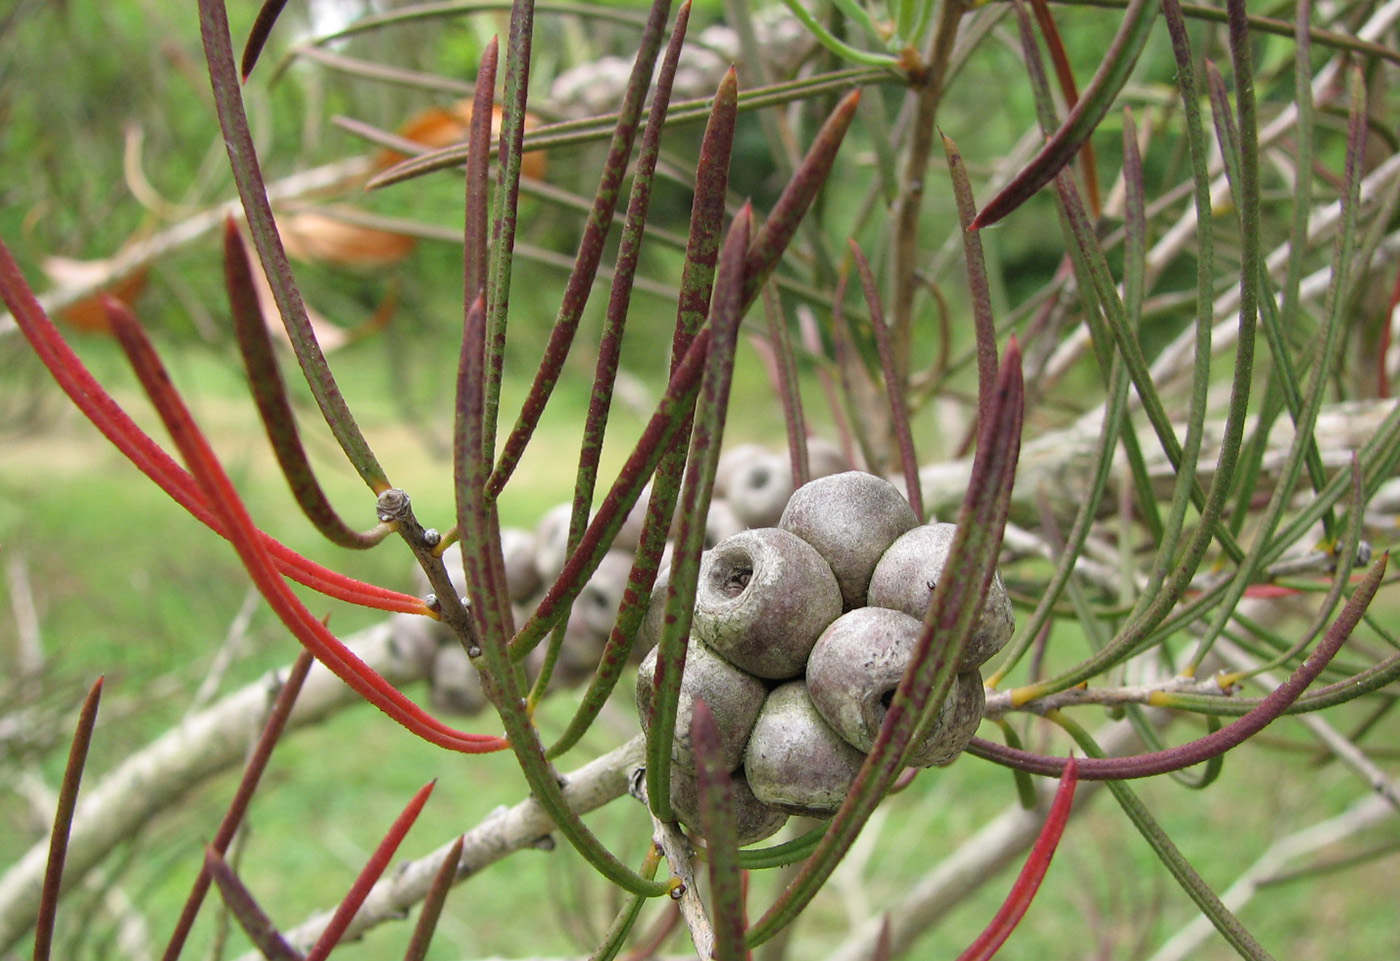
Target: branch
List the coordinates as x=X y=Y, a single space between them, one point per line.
x=675 y=846
x=1000 y=703
x=204 y=744
x=1059 y=462
x=672 y=841
x=503 y=832
x=340 y=174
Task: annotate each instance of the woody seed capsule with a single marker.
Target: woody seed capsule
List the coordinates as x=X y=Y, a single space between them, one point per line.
x=909 y=571
x=763 y=598
x=851 y=519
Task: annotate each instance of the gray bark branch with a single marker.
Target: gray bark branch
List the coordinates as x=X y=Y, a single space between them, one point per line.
x=503 y=832
x=204 y=744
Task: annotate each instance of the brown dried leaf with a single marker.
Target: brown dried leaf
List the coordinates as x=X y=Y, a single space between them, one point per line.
x=329 y=335
x=87 y=314
x=438 y=127
x=323 y=238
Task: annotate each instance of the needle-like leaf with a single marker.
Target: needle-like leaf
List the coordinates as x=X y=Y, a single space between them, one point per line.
x=590 y=252
x=219 y=490
x=472 y=462
x=107 y=416
x=482 y=559
x=258 y=35
x=1229 y=736
x=726 y=310
x=626 y=919
x=1064 y=75
x=501 y=678
x=476 y=259
x=898 y=409
x=374 y=867
x=697 y=275
x=1028 y=883
x=270 y=395
x=609 y=352
x=243 y=796
x=1116 y=66
x=1171 y=857
x=246 y=910
x=247 y=174
x=63 y=822
x=784 y=376
x=782 y=854
x=1014 y=908
x=782 y=222
x=520 y=38
x=586 y=130
x=433 y=903
x=716 y=790
x=835 y=44
x=983 y=323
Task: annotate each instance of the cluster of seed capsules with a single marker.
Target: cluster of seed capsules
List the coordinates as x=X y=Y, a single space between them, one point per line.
x=752 y=487
x=800 y=635
x=807 y=610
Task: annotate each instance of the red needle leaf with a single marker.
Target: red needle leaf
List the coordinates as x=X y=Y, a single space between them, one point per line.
x=378 y=861
x=107 y=416
x=220 y=493
x=1028 y=881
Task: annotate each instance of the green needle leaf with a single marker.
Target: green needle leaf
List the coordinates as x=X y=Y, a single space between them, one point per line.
x=270 y=395
x=1116 y=66
x=228 y=98
x=1192 y=883
x=726 y=310
x=717 y=817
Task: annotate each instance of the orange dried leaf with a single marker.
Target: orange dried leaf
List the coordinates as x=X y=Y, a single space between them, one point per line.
x=321 y=238
x=438 y=127
x=87 y=315
x=329 y=335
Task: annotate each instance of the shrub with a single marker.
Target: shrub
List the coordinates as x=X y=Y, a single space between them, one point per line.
x=1155 y=405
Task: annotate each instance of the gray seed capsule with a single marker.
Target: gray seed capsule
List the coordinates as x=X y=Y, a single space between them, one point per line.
x=851 y=519
x=854 y=670
x=754 y=819
x=734 y=697
x=551 y=542
x=454 y=685
x=906 y=577
x=763 y=598
x=825 y=458
x=795 y=761
x=759 y=488
x=649 y=634
x=595 y=608
x=518 y=549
